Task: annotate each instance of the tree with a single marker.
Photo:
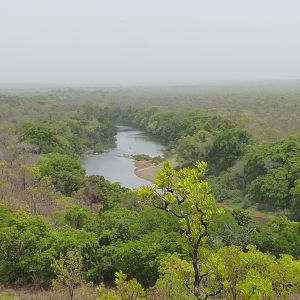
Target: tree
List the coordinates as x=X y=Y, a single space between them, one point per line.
x=21 y=249
x=43 y=136
x=125 y=290
x=225 y=231
x=241 y=217
x=173 y=272
x=66 y=173
x=140 y=258
x=190 y=149
x=68 y=269
x=256 y=275
x=295 y=192
x=272 y=173
x=97 y=190
x=94 y=190
x=271 y=189
x=42 y=193
x=188 y=198
x=227 y=147
x=77 y=217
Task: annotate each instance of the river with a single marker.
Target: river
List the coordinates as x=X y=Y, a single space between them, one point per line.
x=116 y=164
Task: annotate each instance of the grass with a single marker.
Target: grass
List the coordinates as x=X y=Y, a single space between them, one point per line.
x=82 y=292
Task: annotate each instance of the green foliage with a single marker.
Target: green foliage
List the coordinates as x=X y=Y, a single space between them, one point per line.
x=72 y=136
x=140 y=258
x=255 y=275
x=174 y=274
x=115 y=226
x=170 y=126
x=193 y=148
x=242 y=218
x=228 y=146
x=96 y=189
x=65 y=172
x=43 y=136
x=225 y=231
x=170 y=257
x=191 y=201
x=68 y=269
x=22 y=239
x=29 y=247
x=139 y=157
x=295 y=202
x=134 y=242
x=5 y=215
x=280 y=236
x=150 y=220
x=65 y=238
x=78 y=217
x=127 y=290
x=272 y=172
x=157 y=160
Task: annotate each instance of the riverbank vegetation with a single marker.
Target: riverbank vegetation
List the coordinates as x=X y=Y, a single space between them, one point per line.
x=264 y=174
x=68 y=235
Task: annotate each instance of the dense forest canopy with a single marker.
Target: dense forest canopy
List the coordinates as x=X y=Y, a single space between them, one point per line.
x=223 y=222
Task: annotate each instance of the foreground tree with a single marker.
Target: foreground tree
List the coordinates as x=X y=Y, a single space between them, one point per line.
x=187 y=196
x=125 y=290
x=68 y=269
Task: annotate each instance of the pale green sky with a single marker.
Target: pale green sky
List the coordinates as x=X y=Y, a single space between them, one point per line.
x=146 y=42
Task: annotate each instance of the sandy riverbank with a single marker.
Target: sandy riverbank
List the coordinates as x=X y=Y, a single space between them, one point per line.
x=147 y=170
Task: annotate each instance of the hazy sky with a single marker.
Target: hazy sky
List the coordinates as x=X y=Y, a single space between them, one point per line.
x=148 y=42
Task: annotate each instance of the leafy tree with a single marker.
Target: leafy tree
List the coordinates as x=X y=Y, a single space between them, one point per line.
x=242 y=217
x=227 y=147
x=125 y=290
x=272 y=172
x=174 y=274
x=98 y=134
x=43 y=136
x=97 y=190
x=135 y=242
x=190 y=149
x=149 y=220
x=65 y=172
x=255 y=275
x=22 y=241
x=225 y=231
x=5 y=215
x=295 y=193
x=64 y=239
x=141 y=258
x=68 y=270
x=191 y=201
x=277 y=241
x=271 y=189
x=79 y=217
x=115 y=226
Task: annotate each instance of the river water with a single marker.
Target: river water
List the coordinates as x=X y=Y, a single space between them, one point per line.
x=116 y=164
